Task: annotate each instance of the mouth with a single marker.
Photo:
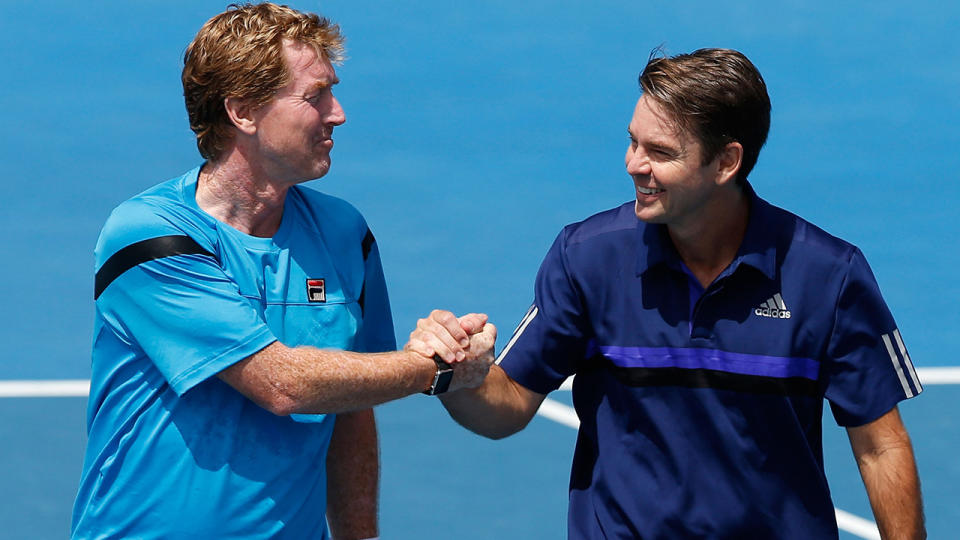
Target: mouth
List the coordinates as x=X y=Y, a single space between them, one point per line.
x=649 y=191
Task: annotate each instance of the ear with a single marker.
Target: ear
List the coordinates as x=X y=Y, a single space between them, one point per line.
x=240 y=112
x=728 y=162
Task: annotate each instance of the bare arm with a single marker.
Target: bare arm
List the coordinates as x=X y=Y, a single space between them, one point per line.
x=287 y=380
x=496 y=409
x=885 y=457
x=353 y=470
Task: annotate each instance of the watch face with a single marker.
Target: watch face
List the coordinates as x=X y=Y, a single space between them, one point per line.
x=443 y=381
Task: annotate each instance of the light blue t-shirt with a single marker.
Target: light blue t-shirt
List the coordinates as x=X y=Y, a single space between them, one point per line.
x=173 y=451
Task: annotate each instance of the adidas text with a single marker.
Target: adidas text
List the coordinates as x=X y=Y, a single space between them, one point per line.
x=774 y=313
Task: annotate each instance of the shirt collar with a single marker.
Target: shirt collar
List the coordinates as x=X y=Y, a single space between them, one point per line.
x=758 y=249
x=759 y=246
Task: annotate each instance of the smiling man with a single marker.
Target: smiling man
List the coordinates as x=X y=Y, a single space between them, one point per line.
x=242 y=322
x=705 y=327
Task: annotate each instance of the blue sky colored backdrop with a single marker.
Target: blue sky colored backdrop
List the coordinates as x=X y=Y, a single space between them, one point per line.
x=474 y=132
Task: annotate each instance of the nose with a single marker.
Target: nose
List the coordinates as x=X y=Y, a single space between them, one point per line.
x=638 y=162
x=336 y=116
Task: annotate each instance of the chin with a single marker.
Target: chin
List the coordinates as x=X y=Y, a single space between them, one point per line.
x=648 y=215
x=651 y=219
x=320 y=171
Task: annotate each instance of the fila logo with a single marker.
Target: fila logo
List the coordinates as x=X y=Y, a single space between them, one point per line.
x=774 y=308
x=316 y=292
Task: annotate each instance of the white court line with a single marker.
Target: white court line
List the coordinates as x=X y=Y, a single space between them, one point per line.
x=855 y=525
x=45 y=388
x=559 y=413
x=939 y=375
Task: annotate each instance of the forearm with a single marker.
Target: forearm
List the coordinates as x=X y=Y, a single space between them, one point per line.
x=893 y=486
x=353 y=469
x=885 y=457
x=307 y=380
x=496 y=409
x=346 y=381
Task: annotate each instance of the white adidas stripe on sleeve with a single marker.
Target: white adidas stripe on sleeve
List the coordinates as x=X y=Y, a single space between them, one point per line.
x=531 y=313
x=907 y=361
x=896 y=366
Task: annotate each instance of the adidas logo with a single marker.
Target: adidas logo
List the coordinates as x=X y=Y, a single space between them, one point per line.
x=774 y=308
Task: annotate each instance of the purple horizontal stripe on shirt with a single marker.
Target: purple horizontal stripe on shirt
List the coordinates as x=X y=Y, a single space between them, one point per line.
x=730 y=362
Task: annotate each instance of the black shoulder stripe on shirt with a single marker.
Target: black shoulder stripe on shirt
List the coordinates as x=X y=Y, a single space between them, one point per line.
x=363 y=292
x=367 y=243
x=710 y=378
x=141 y=252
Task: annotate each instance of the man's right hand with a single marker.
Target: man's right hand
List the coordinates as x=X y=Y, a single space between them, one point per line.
x=466 y=342
x=483 y=336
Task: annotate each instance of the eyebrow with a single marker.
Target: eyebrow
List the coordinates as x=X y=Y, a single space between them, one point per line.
x=322 y=85
x=666 y=148
x=659 y=145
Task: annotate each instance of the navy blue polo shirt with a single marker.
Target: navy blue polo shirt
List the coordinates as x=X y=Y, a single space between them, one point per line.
x=701 y=409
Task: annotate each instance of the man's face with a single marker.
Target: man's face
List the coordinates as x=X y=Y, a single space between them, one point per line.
x=672 y=185
x=294 y=131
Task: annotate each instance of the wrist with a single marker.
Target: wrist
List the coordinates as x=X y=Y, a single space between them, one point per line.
x=423 y=369
x=442 y=376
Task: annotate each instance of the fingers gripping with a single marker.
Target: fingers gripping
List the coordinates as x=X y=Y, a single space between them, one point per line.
x=439 y=333
x=473 y=322
x=473 y=370
x=467 y=341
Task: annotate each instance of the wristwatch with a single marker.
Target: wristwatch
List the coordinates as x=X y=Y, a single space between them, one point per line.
x=441 y=381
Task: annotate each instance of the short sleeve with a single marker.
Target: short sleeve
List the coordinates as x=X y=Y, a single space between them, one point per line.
x=378 y=334
x=181 y=310
x=868 y=370
x=551 y=339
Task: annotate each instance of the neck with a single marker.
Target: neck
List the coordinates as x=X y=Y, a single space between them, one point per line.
x=709 y=245
x=240 y=195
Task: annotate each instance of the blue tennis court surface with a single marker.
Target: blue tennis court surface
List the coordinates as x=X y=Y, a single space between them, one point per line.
x=474 y=132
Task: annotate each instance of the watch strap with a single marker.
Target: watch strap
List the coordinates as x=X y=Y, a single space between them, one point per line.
x=442 y=378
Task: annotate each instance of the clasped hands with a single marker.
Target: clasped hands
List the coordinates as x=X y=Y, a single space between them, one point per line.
x=465 y=342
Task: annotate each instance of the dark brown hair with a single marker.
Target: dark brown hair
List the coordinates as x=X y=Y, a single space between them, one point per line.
x=239 y=54
x=717 y=95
